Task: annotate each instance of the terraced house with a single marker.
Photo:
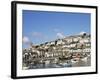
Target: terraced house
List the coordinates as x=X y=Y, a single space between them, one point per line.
x=63 y=52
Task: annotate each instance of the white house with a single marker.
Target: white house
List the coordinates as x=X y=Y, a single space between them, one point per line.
x=72 y=45
x=88 y=44
x=85 y=40
x=87 y=50
x=59 y=42
x=75 y=39
x=76 y=51
x=48 y=44
x=52 y=42
x=70 y=40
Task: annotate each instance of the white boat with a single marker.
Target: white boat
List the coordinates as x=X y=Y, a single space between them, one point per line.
x=24 y=68
x=74 y=60
x=84 y=59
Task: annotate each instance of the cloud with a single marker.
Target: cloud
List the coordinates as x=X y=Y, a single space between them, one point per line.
x=60 y=35
x=26 y=39
x=82 y=32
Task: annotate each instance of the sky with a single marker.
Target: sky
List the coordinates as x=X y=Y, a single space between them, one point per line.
x=44 y=26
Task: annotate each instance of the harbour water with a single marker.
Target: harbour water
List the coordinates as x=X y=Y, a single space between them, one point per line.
x=79 y=63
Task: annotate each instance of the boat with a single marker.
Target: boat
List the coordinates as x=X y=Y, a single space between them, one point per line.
x=84 y=59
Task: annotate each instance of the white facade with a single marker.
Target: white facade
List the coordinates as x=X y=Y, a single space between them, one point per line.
x=86 y=40
x=52 y=43
x=59 y=42
x=72 y=45
x=87 y=50
x=88 y=44
x=73 y=51
x=48 y=44
x=75 y=39
x=69 y=40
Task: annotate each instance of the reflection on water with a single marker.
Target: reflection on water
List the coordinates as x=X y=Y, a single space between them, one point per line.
x=65 y=63
x=51 y=65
